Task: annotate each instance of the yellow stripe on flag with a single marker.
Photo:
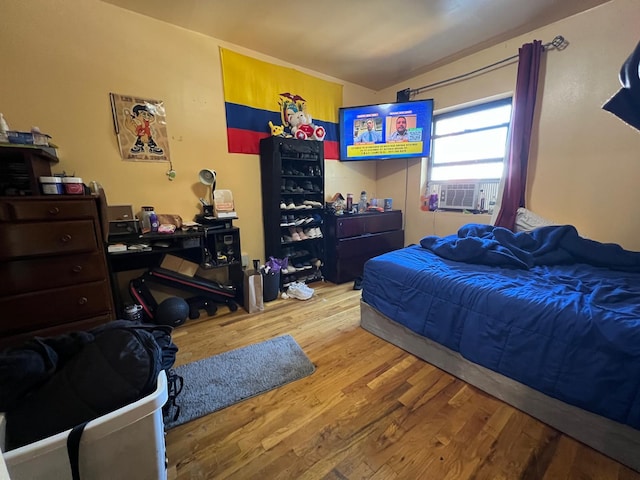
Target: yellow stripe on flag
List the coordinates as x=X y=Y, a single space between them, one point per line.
x=258 y=84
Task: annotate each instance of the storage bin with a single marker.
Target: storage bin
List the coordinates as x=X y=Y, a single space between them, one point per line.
x=51 y=185
x=28 y=138
x=127 y=443
x=73 y=185
x=271 y=286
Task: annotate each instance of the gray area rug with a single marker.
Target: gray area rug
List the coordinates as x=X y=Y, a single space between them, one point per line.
x=216 y=382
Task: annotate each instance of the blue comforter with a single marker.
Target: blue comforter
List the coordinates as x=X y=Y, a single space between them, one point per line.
x=552 y=245
x=564 y=327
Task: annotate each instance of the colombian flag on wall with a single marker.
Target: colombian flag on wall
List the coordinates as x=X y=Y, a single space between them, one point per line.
x=253 y=92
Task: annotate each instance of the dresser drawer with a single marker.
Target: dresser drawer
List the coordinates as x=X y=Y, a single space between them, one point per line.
x=56 y=238
x=32 y=311
x=21 y=210
x=347 y=226
x=31 y=275
x=370 y=245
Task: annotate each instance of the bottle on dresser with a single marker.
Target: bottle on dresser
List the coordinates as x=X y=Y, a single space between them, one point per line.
x=149 y=220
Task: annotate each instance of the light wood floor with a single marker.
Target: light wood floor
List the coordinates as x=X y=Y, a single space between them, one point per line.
x=369 y=411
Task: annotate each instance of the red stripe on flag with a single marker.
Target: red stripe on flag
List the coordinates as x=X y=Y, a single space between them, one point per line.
x=331 y=150
x=244 y=141
x=247 y=141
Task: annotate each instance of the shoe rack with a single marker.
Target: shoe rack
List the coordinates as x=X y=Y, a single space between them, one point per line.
x=292 y=176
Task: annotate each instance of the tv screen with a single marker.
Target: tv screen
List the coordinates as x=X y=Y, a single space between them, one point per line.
x=386 y=131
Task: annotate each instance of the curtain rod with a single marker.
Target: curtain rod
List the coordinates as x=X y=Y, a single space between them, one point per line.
x=559 y=43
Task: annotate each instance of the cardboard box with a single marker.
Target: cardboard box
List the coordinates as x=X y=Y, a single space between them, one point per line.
x=117 y=213
x=179 y=265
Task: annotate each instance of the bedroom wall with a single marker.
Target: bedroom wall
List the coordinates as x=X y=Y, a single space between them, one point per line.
x=60 y=60
x=585 y=163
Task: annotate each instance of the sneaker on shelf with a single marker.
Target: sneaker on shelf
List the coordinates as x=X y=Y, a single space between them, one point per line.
x=283 y=221
x=291 y=205
x=283 y=206
x=301 y=233
x=294 y=235
x=310 y=233
x=299 y=221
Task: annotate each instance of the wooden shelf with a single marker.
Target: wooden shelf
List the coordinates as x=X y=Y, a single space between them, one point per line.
x=20 y=168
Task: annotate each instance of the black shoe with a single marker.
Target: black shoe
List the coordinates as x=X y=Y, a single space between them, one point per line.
x=357 y=283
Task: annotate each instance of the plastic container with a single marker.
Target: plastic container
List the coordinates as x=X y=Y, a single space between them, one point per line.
x=126 y=443
x=433 y=201
x=146 y=216
x=481 y=201
x=51 y=185
x=349 y=202
x=153 y=220
x=73 y=185
x=362 y=204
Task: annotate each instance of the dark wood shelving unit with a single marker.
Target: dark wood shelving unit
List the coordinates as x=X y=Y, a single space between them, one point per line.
x=292 y=172
x=21 y=167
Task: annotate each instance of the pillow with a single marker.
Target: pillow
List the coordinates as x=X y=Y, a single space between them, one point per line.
x=526 y=220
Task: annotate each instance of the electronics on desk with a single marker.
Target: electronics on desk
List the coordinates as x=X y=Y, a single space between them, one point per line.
x=121 y=220
x=213 y=223
x=124 y=227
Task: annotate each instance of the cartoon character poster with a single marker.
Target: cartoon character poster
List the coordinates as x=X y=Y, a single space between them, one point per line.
x=141 y=127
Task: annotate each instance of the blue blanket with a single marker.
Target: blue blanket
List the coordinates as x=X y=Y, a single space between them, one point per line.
x=571 y=331
x=552 y=245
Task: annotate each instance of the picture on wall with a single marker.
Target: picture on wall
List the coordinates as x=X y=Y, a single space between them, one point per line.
x=141 y=128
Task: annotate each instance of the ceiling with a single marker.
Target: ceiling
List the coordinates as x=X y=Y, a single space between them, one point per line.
x=374 y=43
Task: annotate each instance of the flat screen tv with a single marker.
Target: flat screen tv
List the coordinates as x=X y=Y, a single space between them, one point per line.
x=386 y=131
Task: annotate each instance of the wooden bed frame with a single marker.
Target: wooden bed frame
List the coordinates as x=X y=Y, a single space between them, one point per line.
x=614 y=439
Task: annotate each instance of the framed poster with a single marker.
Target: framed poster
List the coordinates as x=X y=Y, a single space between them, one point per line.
x=141 y=128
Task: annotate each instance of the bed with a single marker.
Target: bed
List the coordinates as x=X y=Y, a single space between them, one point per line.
x=546 y=321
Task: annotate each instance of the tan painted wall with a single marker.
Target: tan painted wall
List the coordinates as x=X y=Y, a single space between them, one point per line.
x=60 y=60
x=585 y=163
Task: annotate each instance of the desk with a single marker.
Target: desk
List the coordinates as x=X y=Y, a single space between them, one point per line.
x=212 y=247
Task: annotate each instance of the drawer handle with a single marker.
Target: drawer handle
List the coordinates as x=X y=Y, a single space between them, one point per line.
x=54 y=211
x=65 y=238
x=77 y=268
x=83 y=300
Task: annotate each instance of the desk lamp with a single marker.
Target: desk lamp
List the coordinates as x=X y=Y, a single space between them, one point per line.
x=208 y=177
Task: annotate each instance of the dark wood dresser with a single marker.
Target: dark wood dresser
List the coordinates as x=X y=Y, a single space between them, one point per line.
x=354 y=239
x=53 y=270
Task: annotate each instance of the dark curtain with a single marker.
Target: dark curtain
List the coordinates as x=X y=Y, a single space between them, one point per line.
x=522 y=123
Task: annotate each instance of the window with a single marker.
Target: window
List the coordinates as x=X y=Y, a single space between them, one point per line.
x=470 y=143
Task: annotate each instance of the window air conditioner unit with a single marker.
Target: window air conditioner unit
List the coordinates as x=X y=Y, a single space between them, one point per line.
x=459 y=196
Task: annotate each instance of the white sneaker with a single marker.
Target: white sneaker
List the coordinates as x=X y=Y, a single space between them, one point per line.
x=300 y=291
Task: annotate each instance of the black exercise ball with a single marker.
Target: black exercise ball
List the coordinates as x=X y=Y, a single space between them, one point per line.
x=172 y=311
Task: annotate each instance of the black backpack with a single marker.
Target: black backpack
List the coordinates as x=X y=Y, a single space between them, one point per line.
x=114 y=365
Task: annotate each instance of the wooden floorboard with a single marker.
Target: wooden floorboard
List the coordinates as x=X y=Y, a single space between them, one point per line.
x=369 y=411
